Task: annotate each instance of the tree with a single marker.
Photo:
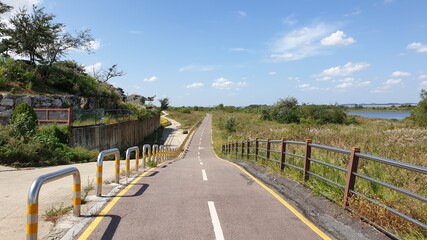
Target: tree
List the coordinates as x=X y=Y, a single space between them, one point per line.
x=103 y=75
x=164 y=103
x=419 y=114
x=35 y=36
x=4 y=8
x=151 y=99
x=62 y=42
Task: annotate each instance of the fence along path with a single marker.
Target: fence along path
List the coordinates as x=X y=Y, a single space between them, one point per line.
x=299 y=156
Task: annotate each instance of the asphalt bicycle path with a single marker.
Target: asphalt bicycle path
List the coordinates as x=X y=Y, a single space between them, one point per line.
x=199 y=197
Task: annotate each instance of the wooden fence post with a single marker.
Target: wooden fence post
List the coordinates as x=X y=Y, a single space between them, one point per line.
x=351 y=178
x=282 y=155
x=306 y=159
x=248 y=148
x=256 y=149
x=237 y=149
x=242 y=150
x=267 y=152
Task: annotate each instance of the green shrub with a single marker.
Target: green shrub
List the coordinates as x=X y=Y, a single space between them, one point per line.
x=24 y=120
x=186 y=110
x=19 y=70
x=230 y=124
x=419 y=114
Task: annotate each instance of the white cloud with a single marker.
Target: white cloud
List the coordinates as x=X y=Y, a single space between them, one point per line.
x=195 y=85
x=293 y=79
x=324 y=78
x=90 y=69
x=422 y=77
x=196 y=68
x=418 y=47
x=346 y=70
x=336 y=39
x=299 y=43
x=424 y=83
x=224 y=84
x=290 y=20
x=390 y=82
x=242 y=13
x=94 y=45
x=306 y=42
x=353 y=13
x=399 y=74
x=351 y=83
x=237 y=49
x=272 y=73
x=136 y=32
x=309 y=87
x=151 y=79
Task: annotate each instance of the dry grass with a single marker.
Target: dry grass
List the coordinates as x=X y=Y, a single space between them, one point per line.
x=397 y=140
x=187 y=120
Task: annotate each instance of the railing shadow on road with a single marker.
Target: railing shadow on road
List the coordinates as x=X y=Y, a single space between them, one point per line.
x=140 y=191
x=112 y=226
x=152 y=174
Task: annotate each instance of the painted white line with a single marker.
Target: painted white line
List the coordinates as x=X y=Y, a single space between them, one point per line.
x=198 y=153
x=215 y=221
x=200 y=143
x=205 y=177
x=201 y=163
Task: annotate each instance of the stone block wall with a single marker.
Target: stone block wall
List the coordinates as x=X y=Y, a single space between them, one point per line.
x=8 y=102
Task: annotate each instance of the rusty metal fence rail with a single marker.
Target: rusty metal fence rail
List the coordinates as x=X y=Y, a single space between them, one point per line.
x=299 y=157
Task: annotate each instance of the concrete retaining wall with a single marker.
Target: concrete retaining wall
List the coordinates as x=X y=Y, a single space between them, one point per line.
x=119 y=135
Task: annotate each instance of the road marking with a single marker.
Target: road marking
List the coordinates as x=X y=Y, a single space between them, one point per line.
x=205 y=177
x=100 y=216
x=201 y=163
x=200 y=143
x=286 y=204
x=215 y=221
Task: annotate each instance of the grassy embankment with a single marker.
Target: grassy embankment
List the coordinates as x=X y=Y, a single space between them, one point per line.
x=390 y=139
x=398 y=140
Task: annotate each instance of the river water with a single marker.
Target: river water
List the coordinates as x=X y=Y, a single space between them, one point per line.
x=382 y=115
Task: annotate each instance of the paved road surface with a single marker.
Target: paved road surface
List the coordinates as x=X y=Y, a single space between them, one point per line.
x=199 y=197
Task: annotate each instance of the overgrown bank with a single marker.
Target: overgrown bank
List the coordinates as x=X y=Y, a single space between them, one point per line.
x=398 y=140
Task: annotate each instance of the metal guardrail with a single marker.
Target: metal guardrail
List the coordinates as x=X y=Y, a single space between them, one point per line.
x=252 y=148
x=33 y=197
x=99 y=165
x=128 y=152
x=33 y=194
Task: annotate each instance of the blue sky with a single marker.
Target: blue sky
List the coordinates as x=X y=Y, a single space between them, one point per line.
x=255 y=52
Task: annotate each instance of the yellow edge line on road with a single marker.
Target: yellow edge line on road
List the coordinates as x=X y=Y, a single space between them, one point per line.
x=110 y=205
x=286 y=204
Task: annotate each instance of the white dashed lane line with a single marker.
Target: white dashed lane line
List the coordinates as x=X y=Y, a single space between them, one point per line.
x=205 y=177
x=215 y=221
